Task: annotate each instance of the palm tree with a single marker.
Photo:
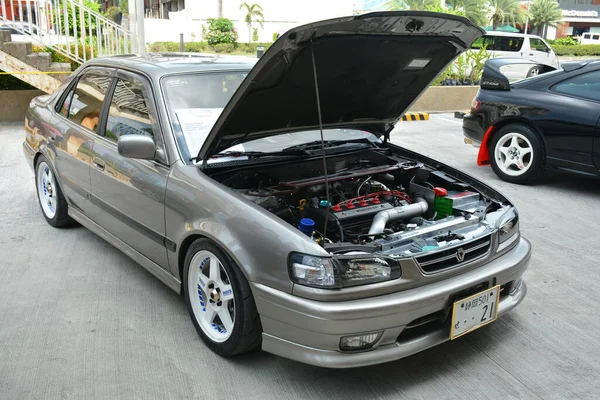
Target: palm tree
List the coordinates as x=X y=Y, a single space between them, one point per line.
x=254 y=13
x=393 y=5
x=506 y=12
x=544 y=13
x=475 y=10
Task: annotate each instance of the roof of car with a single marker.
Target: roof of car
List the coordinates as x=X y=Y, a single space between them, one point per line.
x=160 y=64
x=497 y=33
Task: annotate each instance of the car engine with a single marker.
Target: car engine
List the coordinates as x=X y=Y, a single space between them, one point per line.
x=380 y=204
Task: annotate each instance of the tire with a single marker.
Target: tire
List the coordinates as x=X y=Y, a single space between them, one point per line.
x=50 y=197
x=202 y=285
x=533 y=71
x=517 y=154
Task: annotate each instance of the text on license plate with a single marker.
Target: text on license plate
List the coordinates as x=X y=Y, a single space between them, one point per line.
x=474 y=312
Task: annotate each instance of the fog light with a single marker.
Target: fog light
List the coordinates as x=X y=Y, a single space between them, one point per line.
x=359 y=342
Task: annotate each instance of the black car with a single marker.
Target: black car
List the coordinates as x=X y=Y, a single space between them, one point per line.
x=547 y=121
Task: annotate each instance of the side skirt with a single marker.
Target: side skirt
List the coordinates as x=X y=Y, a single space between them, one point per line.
x=136 y=256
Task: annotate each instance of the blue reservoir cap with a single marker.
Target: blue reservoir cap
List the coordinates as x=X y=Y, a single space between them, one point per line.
x=307 y=226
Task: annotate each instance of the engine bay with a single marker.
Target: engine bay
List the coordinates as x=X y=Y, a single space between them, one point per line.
x=376 y=202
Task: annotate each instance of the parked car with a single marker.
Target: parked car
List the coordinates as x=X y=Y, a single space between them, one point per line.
x=548 y=121
x=270 y=196
x=590 y=38
x=513 y=45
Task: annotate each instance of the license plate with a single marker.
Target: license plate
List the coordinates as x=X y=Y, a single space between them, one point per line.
x=474 y=312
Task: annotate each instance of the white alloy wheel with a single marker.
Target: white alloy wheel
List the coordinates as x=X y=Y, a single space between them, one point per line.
x=211 y=296
x=514 y=154
x=47 y=189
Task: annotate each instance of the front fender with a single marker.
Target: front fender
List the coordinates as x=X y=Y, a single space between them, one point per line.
x=255 y=239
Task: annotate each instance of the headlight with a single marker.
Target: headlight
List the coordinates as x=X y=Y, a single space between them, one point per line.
x=508 y=227
x=341 y=271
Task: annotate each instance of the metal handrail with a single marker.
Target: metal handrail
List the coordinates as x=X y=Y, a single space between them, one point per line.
x=68 y=27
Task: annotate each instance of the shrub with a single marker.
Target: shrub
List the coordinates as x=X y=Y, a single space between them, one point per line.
x=579 y=50
x=220 y=30
x=71 y=21
x=566 y=41
x=224 y=48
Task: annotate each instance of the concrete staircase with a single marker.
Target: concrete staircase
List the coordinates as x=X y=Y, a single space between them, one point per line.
x=36 y=69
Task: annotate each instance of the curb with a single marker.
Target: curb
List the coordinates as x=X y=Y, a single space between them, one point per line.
x=415 y=117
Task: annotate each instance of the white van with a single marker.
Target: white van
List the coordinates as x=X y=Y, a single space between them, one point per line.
x=590 y=38
x=518 y=45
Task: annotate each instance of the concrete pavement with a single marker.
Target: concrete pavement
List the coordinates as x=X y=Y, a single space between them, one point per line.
x=80 y=320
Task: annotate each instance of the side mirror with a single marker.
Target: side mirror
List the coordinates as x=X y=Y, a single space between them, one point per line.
x=136 y=146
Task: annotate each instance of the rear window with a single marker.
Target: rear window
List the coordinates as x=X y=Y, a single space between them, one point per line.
x=499 y=43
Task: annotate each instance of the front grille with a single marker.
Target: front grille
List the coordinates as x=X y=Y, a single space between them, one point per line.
x=449 y=258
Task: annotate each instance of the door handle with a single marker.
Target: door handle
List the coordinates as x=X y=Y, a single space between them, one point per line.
x=98 y=163
x=531 y=54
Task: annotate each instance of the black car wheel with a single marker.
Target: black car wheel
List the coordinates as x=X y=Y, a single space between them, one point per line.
x=52 y=201
x=219 y=300
x=517 y=154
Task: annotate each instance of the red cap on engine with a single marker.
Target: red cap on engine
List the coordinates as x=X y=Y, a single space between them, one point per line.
x=440 y=192
x=363 y=203
x=336 y=208
x=350 y=205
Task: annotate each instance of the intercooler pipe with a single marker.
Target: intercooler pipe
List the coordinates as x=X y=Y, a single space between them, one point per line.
x=415 y=209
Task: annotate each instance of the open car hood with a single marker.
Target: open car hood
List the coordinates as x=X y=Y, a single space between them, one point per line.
x=370 y=68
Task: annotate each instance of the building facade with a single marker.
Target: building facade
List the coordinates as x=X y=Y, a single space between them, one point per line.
x=579 y=16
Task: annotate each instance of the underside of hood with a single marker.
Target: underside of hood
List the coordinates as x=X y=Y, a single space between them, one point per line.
x=370 y=69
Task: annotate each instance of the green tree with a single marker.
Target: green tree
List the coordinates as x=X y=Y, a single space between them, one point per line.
x=475 y=10
x=394 y=5
x=254 y=14
x=544 y=13
x=506 y=12
x=220 y=30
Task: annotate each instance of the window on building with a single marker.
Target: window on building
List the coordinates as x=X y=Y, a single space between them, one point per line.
x=586 y=86
x=129 y=111
x=86 y=102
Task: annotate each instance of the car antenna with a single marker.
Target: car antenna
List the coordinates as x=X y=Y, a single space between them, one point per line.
x=314 y=65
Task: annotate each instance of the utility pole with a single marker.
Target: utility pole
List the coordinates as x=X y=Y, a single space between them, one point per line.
x=140 y=27
x=527 y=18
x=132 y=24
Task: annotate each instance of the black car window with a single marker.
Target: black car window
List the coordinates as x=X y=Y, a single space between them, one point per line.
x=585 y=85
x=129 y=111
x=86 y=102
x=539 y=45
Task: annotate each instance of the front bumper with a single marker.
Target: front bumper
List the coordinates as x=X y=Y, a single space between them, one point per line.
x=309 y=331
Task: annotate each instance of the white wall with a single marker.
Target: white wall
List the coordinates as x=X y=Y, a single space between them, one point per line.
x=280 y=15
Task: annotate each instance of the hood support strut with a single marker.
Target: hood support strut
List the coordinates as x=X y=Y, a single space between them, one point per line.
x=325 y=175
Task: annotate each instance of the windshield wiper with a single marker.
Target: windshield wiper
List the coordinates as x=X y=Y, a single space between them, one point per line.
x=258 y=154
x=316 y=145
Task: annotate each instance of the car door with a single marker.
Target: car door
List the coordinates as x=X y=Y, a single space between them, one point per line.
x=128 y=194
x=539 y=51
x=75 y=127
x=571 y=128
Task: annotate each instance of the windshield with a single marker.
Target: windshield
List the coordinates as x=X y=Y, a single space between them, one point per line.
x=194 y=102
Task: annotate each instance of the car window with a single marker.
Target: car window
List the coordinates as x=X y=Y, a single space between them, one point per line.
x=538 y=45
x=194 y=103
x=586 y=36
x=595 y=37
x=87 y=100
x=129 y=111
x=585 y=85
x=499 y=43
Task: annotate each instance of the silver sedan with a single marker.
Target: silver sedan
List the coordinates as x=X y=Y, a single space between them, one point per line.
x=268 y=194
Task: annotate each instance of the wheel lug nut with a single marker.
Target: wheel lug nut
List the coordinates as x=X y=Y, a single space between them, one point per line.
x=220 y=303
x=210 y=286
